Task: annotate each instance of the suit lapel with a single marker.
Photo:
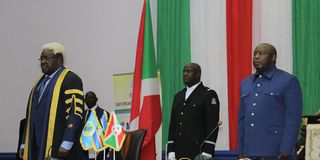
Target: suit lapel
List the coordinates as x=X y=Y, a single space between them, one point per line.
x=99 y=112
x=36 y=93
x=181 y=97
x=45 y=92
x=194 y=93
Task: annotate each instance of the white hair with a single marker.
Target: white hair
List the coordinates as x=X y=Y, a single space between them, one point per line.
x=56 y=48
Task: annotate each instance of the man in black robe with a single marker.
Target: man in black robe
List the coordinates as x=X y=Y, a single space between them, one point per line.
x=55 y=110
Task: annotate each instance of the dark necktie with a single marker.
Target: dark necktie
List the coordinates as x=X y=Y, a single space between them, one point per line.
x=42 y=85
x=88 y=114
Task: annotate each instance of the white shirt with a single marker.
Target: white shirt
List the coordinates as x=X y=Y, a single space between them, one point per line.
x=190 y=90
x=92 y=109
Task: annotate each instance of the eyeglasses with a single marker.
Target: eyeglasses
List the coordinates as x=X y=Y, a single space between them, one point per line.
x=46 y=58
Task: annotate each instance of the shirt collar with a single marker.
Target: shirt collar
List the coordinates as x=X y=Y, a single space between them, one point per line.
x=268 y=73
x=93 y=108
x=193 y=87
x=53 y=74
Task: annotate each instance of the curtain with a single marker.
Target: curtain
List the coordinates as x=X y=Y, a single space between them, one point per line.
x=173 y=52
x=208 y=48
x=306 y=51
x=239 y=45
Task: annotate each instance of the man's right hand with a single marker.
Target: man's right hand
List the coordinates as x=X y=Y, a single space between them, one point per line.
x=21 y=151
x=242 y=157
x=172 y=156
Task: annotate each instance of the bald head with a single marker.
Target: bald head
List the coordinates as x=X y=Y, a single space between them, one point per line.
x=269 y=48
x=90 y=99
x=264 y=57
x=191 y=74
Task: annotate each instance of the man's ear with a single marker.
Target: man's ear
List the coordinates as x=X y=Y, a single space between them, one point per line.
x=198 y=75
x=60 y=58
x=274 y=58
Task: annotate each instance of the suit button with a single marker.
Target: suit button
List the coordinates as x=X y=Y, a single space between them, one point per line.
x=184 y=104
x=181 y=113
x=252 y=124
x=180 y=123
x=254 y=104
x=180 y=134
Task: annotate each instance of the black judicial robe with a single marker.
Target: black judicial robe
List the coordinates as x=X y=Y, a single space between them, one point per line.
x=57 y=117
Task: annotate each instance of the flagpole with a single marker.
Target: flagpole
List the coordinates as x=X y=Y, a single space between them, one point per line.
x=166 y=152
x=104 y=154
x=95 y=155
x=114 y=154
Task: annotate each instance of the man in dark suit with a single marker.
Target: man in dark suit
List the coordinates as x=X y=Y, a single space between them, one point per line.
x=195 y=114
x=54 y=114
x=270 y=109
x=91 y=102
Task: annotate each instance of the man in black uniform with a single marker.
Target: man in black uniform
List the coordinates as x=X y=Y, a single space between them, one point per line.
x=195 y=114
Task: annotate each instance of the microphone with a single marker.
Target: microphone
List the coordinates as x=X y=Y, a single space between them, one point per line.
x=200 y=156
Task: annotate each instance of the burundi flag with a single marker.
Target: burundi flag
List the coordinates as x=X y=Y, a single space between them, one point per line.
x=92 y=134
x=114 y=135
x=145 y=107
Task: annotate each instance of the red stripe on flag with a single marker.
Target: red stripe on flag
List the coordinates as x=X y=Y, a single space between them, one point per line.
x=150 y=116
x=239 y=43
x=150 y=112
x=136 y=92
x=148 y=152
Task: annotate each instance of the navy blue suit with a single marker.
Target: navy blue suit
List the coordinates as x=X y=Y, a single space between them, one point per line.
x=99 y=112
x=270 y=114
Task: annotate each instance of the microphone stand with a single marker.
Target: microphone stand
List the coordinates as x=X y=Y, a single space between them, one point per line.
x=200 y=156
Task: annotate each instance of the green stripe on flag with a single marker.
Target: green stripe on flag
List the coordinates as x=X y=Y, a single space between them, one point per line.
x=173 y=52
x=149 y=69
x=306 y=51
